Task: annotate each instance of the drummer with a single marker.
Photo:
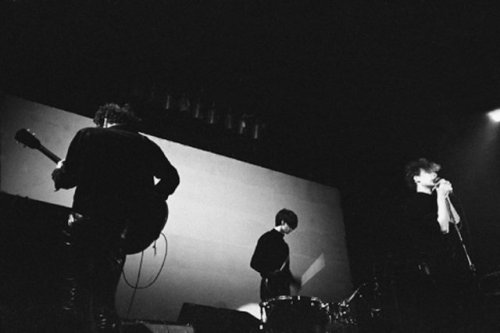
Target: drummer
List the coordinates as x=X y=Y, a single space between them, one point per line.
x=271 y=258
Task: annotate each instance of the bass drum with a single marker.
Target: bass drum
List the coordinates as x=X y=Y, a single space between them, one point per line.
x=294 y=314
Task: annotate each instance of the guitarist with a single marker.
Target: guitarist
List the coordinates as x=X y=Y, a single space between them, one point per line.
x=112 y=167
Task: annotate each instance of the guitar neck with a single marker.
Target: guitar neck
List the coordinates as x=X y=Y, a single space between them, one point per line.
x=49 y=154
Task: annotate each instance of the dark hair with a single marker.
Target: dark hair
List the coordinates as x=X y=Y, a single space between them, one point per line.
x=114 y=113
x=414 y=168
x=288 y=217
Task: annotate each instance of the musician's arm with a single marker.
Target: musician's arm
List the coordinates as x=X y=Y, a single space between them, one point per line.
x=166 y=172
x=455 y=218
x=444 y=214
x=65 y=173
x=295 y=281
x=259 y=260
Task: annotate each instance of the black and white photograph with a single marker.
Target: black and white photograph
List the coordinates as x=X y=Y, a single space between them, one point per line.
x=249 y=166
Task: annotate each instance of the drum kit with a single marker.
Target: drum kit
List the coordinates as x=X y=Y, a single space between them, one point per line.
x=290 y=314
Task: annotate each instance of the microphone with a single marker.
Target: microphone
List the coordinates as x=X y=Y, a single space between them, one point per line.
x=437 y=182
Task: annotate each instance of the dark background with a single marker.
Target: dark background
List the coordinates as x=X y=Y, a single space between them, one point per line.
x=346 y=92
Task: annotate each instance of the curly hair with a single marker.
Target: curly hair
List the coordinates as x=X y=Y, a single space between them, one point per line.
x=413 y=169
x=288 y=216
x=113 y=113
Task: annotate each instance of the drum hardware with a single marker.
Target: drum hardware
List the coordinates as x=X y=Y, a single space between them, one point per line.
x=305 y=314
x=310 y=314
x=294 y=314
x=291 y=312
x=343 y=313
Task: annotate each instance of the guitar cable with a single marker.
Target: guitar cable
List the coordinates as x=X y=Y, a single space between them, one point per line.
x=136 y=286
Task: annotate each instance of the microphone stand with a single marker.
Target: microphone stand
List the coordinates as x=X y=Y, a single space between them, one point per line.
x=350 y=298
x=471 y=265
x=473 y=293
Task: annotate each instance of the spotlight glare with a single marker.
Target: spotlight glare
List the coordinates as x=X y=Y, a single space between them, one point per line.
x=494 y=115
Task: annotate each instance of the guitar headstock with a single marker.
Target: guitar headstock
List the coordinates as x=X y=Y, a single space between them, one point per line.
x=27 y=138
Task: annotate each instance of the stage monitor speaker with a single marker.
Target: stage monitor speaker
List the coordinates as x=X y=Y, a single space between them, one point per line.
x=145 y=326
x=207 y=319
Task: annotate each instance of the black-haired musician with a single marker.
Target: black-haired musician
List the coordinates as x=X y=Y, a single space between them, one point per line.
x=271 y=257
x=113 y=168
x=433 y=225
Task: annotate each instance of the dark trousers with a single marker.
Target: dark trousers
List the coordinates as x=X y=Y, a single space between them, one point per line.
x=438 y=299
x=273 y=287
x=94 y=265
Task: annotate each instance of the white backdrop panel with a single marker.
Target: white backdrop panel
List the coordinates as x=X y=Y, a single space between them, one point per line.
x=220 y=209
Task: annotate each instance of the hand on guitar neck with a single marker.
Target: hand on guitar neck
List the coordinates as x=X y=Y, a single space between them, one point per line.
x=25 y=137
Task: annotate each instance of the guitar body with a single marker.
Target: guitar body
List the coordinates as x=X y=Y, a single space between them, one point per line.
x=141 y=230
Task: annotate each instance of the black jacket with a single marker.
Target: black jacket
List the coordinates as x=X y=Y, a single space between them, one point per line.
x=113 y=170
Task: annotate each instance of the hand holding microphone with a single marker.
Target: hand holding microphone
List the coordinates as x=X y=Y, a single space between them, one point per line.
x=443 y=186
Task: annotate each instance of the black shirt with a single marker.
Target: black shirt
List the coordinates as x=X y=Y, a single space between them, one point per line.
x=113 y=170
x=427 y=243
x=423 y=227
x=271 y=254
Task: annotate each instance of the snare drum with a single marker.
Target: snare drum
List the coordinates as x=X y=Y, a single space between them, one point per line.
x=294 y=314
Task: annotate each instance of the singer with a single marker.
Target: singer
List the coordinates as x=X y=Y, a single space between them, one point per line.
x=434 y=249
